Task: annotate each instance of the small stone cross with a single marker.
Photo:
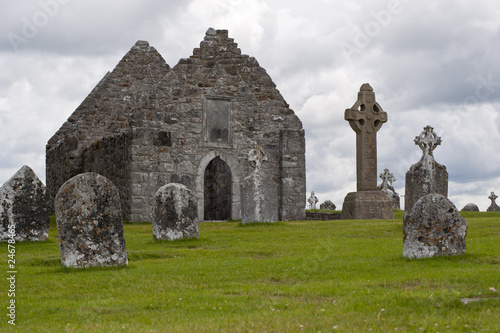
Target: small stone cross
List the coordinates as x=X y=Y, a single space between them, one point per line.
x=427 y=141
x=313 y=200
x=493 y=197
x=366 y=118
x=387 y=179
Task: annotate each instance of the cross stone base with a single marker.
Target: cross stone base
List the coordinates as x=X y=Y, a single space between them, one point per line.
x=367 y=205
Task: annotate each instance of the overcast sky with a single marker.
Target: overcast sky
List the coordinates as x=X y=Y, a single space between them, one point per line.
x=429 y=62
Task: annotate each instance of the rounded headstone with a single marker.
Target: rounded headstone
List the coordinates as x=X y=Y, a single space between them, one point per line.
x=24 y=211
x=328 y=205
x=434 y=227
x=175 y=213
x=89 y=222
x=470 y=207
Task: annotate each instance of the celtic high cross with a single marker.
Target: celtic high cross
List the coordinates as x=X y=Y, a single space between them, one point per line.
x=366 y=118
x=427 y=141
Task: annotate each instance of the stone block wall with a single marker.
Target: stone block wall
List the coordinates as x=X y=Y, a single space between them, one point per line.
x=110 y=158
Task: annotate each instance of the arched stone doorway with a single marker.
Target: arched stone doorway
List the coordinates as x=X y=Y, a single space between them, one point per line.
x=217 y=191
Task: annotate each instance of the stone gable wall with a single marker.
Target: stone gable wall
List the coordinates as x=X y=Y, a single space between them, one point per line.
x=218 y=102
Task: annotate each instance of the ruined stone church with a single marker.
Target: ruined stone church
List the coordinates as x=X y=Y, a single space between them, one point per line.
x=215 y=122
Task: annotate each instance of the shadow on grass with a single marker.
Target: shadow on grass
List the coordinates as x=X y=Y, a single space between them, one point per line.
x=260 y=224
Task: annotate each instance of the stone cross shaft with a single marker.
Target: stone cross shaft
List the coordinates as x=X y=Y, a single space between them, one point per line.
x=366 y=118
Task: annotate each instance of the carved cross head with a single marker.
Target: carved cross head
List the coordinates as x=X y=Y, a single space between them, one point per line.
x=387 y=178
x=493 y=197
x=366 y=115
x=256 y=157
x=427 y=140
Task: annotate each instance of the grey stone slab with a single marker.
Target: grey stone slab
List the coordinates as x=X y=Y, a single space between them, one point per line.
x=89 y=223
x=175 y=214
x=434 y=227
x=24 y=208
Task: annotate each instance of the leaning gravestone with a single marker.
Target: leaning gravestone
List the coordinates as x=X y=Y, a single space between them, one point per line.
x=493 y=207
x=387 y=180
x=434 y=227
x=175 y=213
x=24 y=207
x=470 y=207
x=426 y=176
x=89 y=222
x=366 y=118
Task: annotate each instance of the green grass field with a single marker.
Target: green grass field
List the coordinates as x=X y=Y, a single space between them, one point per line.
x=311 y=276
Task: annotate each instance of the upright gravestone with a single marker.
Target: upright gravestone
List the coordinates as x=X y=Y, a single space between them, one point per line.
x=493 y=207
x=259 y=201
x=89 y=222
x=470 y=207
x=175 y=213
x=387 y=180
x=24 y=210
x=433 y=227
x=328 y=205
x=426 y=176
x=366 y=118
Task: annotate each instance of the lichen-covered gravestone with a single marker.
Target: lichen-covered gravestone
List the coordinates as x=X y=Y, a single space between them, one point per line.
x=175 y=214
x=327 y=205
x=426 y=176
x=366 y=117
x=89 y=222
x=434 y=227
x=493 y=207
x=470 y=207
x=24 y=207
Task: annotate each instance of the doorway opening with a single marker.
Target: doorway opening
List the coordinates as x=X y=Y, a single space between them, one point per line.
x=217 y=191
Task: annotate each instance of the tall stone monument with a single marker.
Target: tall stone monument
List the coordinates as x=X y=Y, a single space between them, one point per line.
x=426 y=176
x=493 y=207
x=366 y=118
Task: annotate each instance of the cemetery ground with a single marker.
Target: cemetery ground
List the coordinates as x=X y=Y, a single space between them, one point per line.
x=343 y=275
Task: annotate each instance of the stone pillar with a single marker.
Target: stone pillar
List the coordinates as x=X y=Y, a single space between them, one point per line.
x=366 y=118
x=260 y=191
x=426 y=176
x=293 y=175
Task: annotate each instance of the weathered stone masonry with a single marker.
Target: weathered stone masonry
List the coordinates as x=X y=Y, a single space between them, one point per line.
x=146 y=124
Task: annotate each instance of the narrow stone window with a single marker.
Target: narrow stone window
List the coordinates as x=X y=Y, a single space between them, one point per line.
x=218 y=121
